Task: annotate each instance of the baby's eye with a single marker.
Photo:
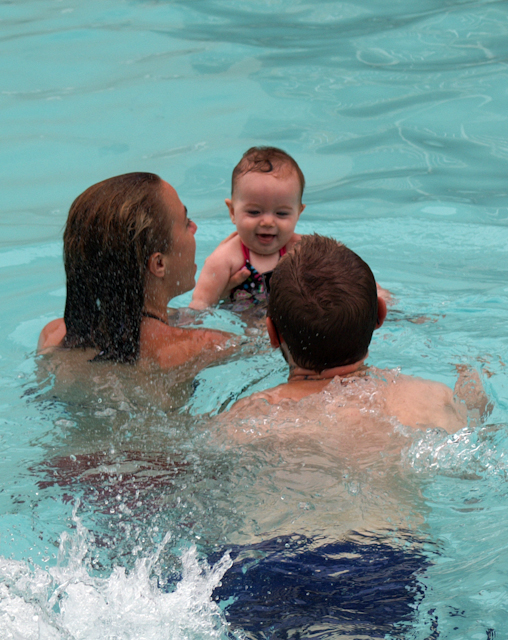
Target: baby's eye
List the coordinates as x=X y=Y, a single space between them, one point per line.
x=253 y=212
x=282 y=214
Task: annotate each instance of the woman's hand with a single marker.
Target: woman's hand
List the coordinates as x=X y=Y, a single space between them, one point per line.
x=236 y=279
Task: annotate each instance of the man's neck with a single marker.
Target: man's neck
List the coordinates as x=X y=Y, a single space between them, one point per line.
x=297 y=374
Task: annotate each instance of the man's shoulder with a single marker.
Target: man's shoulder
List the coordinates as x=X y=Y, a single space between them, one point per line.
x=285 y=392
x=311 y=389
x=414 y=402
x=413 y=387
x=330 y=410
x=422 y=403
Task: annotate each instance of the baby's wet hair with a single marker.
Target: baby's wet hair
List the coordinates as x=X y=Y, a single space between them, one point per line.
x=267 y=160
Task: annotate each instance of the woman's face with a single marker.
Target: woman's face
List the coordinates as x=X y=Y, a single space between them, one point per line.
x=180 y=260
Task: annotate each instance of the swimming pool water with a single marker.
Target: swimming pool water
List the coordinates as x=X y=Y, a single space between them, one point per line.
x=119 y=515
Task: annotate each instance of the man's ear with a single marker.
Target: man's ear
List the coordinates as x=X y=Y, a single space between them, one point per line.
x=229 y=205
x=381 y=312
x=156 y=265
x=273 y=333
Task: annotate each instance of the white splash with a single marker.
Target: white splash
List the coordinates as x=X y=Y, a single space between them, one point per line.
x=471 y=452
x=68 y=603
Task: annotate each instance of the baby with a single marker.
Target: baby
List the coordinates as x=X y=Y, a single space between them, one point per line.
x=266 y=202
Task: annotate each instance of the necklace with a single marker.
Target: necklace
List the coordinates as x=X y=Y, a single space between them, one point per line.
x=345 y=371
x=147 y=314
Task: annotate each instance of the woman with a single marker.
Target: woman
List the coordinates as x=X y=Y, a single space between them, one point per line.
x=129 y=248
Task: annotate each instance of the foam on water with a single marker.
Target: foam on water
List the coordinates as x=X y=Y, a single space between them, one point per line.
x=69 y=602
x=470 y=453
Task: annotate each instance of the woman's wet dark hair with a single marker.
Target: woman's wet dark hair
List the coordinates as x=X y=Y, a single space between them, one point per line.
x=112 y=229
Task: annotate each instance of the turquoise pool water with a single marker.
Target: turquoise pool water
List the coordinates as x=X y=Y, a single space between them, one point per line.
x=117 y=511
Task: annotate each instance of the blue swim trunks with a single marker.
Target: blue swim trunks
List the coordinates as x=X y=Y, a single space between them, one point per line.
x=293 y=587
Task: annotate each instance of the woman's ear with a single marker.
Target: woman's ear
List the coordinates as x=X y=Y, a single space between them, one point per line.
x=273 y=333
x=381 y=312
x=156 y=265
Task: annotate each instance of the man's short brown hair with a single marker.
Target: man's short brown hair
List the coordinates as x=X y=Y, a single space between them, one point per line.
x=323 y=302
x=266 y=160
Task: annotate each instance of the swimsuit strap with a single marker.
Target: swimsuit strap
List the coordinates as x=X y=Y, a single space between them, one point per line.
x=256 y=283
x=147 y=314
x=246 y=252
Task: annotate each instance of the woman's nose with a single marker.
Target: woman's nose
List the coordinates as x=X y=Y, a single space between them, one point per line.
x=194 y=226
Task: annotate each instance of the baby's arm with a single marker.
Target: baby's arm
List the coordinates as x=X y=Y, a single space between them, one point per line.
x=221 y=272
x=211 y=282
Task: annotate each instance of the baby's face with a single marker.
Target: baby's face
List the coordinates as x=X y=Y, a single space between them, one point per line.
x=265 y=208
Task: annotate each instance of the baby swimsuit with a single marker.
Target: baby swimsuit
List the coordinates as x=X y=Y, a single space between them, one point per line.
x=256 y=288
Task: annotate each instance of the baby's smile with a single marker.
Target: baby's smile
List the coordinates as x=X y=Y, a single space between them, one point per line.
x=266 y=237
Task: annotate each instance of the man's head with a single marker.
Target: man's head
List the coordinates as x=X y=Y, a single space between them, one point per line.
x=267 y=160
x=323 y=304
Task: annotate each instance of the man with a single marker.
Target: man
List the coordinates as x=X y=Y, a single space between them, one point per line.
x=322 y=312
x=330 y=523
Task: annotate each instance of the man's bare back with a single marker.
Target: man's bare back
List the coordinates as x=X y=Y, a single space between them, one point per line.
x=372 y=401
x=341 y=441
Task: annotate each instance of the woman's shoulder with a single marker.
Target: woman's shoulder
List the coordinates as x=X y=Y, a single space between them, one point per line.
x=171 y=347
x=52 y=335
